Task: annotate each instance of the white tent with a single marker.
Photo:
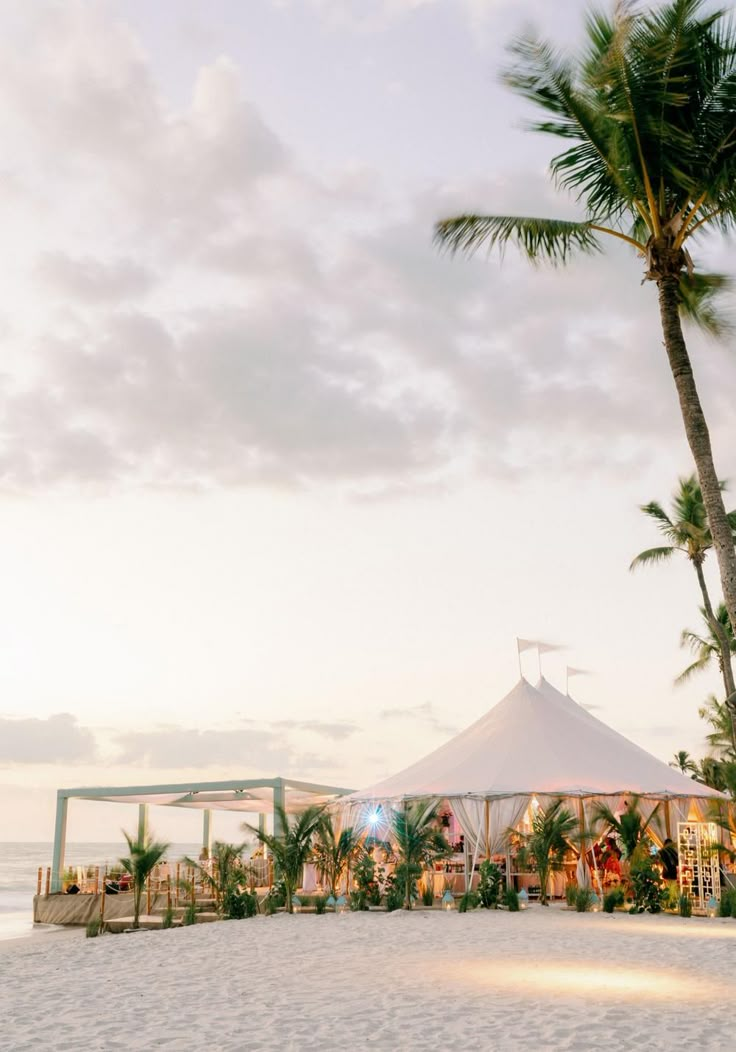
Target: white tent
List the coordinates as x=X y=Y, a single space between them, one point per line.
x=535 y=745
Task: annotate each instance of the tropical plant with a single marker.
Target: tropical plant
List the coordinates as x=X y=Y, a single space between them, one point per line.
x=94 y=927
x=366 y=874
x=685 y=906
x=489 y=884
x=709 y=647
x=583 y=899
x=144 y=854
x=223 y=876
x=418 y=843
x=647 y=886
x=719 y=737
x=190 y=915
x=333 y=852
x=469 y=900
x=683 y=761
x=646 y=115
x=629 y=827
x=548 y=840
x=612 y=899
x=511 y=900
x=167 y=921
x=687 y=531
x=394 y=894
x=290 y=845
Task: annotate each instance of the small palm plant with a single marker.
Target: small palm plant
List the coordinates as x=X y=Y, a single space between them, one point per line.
x=144 y=854
x=224 y=876
x=333 y=852
x=418 y=843
x=630 y=826
x=290 y=846
x=551 y=832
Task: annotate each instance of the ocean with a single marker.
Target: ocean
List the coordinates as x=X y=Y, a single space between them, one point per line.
x=19 y=870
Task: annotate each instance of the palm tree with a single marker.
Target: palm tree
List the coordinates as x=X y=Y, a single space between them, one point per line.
x=549 y=838
x=683 y=762
x=334 y=852
x=686 y=528
x=647 y=116
x=418 y=843
x=720 y=738
x=291 y=845
x=710 y=771
x=144 y=854
x=707 y=647
x=225 y=874
x=629 y=826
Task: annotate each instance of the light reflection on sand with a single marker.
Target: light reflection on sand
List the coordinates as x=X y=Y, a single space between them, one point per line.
x=585 y=979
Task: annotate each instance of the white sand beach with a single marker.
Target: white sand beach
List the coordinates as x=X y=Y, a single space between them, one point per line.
x=543 y=979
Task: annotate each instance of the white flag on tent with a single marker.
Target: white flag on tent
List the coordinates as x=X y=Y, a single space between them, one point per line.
x=537 y=644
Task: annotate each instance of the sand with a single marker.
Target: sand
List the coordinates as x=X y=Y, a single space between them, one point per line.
x=542 y=979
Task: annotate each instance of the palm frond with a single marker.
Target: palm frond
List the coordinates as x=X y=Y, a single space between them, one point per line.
x=652 y=555
x=699 y=295
x=554 y=240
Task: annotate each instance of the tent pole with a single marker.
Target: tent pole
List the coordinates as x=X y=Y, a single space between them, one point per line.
x=488 y=828
x=667 y=819
x=142 y=823
x=57 y=867
x=207 y=833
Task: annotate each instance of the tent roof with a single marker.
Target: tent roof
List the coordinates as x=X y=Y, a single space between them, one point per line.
x=536 y=740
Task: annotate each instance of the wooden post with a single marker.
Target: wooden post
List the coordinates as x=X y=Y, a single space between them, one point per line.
x=178 y=882
x=667 y=820
x=102 y=897
x=148 y=894
x=97 y=880
x=39 y=880
x=48 y=880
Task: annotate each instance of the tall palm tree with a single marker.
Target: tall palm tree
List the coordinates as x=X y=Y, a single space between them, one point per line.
x=291 y=845
x=708 y=647
x=334 y=851
x=687 y=530
x=648 y=117
x=720 y=737
x=418 y=843
x=630 y=826
x=548 y=840
x=143 y=855
x=683 y=762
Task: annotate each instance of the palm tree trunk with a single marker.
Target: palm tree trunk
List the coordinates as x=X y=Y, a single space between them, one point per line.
x=698 y=439
x=718 y=631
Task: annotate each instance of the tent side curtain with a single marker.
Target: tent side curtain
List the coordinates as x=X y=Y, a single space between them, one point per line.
x=504 y=813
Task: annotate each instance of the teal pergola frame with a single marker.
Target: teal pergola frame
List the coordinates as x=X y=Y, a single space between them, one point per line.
x=224 y=793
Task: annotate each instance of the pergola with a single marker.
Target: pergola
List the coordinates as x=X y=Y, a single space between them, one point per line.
x=260 y=796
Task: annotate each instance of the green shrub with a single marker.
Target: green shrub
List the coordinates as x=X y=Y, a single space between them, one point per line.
x=366 y=874
x=646 y=884
x=612 y=899
x=583 y=900
x=571 y=894
x=727 y=905
x=93 y=928
x=168 y=917
x=190 y=914
x=394 y=894
x=469 y=901
x=511 y=900
x=240 y=904
x=320 y=903
x=686 y=906
x=489 y=884
x=357 y=901
x=428 y=893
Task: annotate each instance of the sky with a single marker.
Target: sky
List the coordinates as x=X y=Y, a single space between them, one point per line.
x=280 y=483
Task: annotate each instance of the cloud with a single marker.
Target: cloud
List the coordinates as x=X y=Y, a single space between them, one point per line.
x=182 y=747
x=56 y=739
x=228 y=318
x=91 y=281
x=338 y=730
x=424 y=713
